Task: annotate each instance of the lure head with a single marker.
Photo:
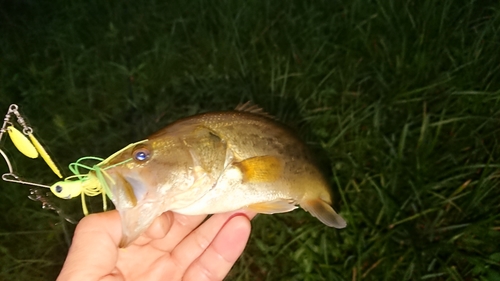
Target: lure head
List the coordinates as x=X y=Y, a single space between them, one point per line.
x=67 y=189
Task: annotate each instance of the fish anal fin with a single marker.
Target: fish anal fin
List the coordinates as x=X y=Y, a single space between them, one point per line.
x=324 y=212
x=273 y=207
x=260 y=169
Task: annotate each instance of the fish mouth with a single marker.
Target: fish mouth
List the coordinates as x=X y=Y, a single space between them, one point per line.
x=137 y=211
x=136 y=221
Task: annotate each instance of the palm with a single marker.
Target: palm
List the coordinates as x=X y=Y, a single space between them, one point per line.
x=186 y=252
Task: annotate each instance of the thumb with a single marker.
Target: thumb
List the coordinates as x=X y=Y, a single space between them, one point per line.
x=94 y=250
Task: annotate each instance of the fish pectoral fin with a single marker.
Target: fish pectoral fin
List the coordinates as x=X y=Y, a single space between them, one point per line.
x=201 y=176
x=260 y=169
x=324 y=212
x=273 y=207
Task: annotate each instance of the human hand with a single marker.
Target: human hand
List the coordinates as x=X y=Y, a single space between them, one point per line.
x=173 y=248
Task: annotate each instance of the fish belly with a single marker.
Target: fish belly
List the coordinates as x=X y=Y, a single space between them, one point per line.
x=231 y=193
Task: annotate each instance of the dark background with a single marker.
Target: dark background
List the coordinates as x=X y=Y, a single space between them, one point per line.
x=401 y=98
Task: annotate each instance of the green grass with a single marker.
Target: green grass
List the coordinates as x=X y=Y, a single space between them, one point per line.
x=402 y=98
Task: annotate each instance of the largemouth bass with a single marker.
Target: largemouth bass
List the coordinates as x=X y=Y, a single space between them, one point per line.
x=216 y=162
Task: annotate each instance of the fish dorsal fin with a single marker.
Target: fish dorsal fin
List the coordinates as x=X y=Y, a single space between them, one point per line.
x=253 y=108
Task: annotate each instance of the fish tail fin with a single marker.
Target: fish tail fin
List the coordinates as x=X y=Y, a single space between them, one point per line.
x=324 y=212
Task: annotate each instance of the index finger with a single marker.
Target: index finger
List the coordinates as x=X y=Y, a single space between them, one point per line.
x=94 y=250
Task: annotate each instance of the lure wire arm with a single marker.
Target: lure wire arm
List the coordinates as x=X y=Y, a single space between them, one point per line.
x=35 y=194
x=12 y=177
x=7 y=161
x=13 y=110
x=6 y=120
x=91 y=184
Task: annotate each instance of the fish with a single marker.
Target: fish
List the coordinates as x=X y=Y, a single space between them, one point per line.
x=216 y=162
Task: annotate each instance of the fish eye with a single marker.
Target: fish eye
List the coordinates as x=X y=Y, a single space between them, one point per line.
x=59 y=188
x=141 y=154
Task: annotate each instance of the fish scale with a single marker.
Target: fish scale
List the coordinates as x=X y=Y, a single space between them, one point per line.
x=217 y=162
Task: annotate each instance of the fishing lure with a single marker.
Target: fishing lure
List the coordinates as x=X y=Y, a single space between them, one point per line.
x=29 y=147
x=91 y=184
